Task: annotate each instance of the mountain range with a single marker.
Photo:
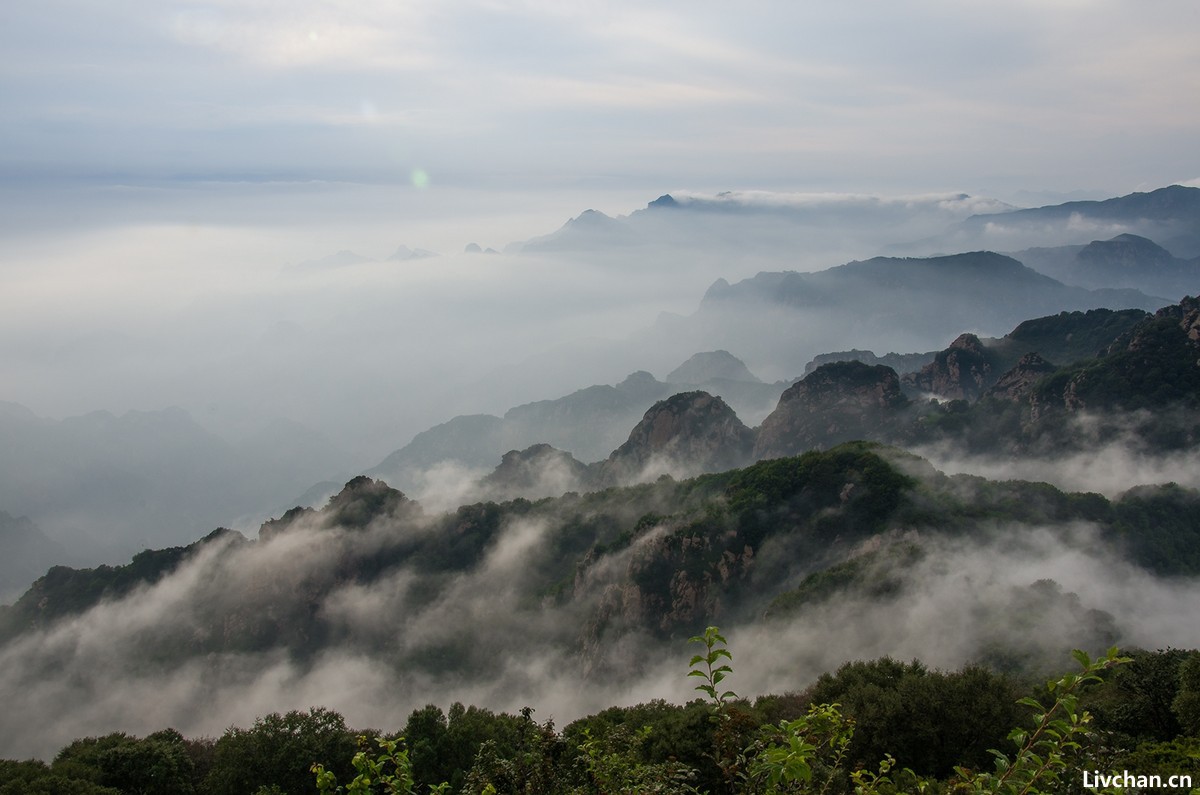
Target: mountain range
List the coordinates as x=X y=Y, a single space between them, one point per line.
x=561 y=551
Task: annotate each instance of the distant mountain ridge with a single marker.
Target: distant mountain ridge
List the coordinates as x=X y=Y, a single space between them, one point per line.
x=588 y=423
x=1169 y=215
x=788 y=317
x=1126 y=260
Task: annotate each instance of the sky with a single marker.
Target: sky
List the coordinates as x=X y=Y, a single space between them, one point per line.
x=1054 y=95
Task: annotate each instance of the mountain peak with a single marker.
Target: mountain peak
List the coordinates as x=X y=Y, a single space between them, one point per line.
x=834 y=403
x=666 y=201
x=688 y=432
x=361 y=500
x=702 y=368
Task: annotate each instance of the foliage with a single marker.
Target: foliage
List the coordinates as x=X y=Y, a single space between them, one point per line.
x=281 y=749
x=931 y=720
x=389 y=771
x=1052 y=749
x=805 y=754
x=615 y=766
x=158 y=764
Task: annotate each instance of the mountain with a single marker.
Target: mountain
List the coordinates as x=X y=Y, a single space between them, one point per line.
x=1017 y=383
x=787 y=318
x=1124 y=261
x=588 y=423
x=1066 y=337
x=703 y=368
x=405 y=254
x=1169 y=215
x=1144 y=387
x=962 y=371
x=863 y=546
x=835 y=403
x=900 y=362
x=536 y=472
x=809 y=230
x=686 y=434
x=25 y=554
x=1155 y=365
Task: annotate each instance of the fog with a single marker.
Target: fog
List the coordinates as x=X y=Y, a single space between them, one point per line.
x=295 y=365
x=119 y=665
x=1110 y=460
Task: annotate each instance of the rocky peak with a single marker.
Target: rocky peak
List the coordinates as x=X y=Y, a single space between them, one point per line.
x=664 y=202
x=835 y=403
x=363 y=499
x=688 y=433
x=1187 y=312
x=962 y=371
x=1017 y=383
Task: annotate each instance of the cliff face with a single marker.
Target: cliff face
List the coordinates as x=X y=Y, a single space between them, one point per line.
x=961 y=372
x=688 y=433
x=835 y=403
x=1017 y=383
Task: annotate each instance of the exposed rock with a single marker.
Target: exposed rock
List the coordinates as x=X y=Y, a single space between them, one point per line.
x=1017 y=383
x=1187 y=312
x=837 y=402
x=685 y=434
x=961 y=372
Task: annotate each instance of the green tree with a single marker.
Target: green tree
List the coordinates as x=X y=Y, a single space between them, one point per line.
x=281 y=750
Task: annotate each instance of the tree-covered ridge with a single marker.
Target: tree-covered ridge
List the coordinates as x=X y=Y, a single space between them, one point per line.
x=662 y=557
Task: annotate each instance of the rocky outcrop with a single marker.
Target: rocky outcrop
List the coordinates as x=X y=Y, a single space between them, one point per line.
x=961 y=372
x=686 y=434
x=1187 y=313
x=535 y=472
x=1017 y=383
x=837 y=402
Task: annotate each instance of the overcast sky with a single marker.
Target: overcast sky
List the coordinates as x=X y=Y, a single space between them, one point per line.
x=923 y=95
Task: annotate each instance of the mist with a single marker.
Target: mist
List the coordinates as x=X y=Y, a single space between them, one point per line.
x=117 y=667
x=1111 y=457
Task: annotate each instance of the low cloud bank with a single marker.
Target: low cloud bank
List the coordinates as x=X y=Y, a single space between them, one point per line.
x=412 y=637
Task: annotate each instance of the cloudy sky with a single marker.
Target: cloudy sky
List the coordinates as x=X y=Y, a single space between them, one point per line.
x=929 y=94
